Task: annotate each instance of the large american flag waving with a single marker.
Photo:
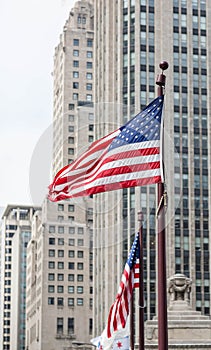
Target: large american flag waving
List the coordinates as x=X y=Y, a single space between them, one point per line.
x=130 y=156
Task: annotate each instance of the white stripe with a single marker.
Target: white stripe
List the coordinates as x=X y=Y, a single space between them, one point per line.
x=118 y=150
x=113 y=164
x=109 y=180
x=118 y=178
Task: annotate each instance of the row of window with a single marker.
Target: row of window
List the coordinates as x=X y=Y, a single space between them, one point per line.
x=60 y=253
x=88 y=86
x=70 y=277
x=88 y=97
x=70 y=265
x=71 y=119
x=61 y=229
x=70 y=289
x=76 y=42
x=70 y=301
x=71 y=242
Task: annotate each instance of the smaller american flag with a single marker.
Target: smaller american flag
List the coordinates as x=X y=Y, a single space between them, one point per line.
x=120 y=309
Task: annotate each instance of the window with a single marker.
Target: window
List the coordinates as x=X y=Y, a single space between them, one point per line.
x=51 y=252
x=60 y=265
x=91 y=138
x=80 y=301
x=50 y=301
x=89 y=42
x=52 y=229
x=71 y=118
x=76 y=64
x=61 y=253
x=60 y=218
x=71 y=230
x=60 y=289
x=80 y=290
x=51 y=265
x=71 y=207
x=51 y=276
x=75 y=96
x=76 y=53
x=89 y=54
x=75 y=74
x=80 y=242
x=71 y=277
x=71 y=289
x=71 y=241
x=88 y=65
x=60 y=207
x=60 y=229
x=60 y=277
x=91 y=127
x=60 y=301
x=71 y=253
x=89 y=86
x=71 y=265
x=50 y=289
x=71 y=128
x=80 y=254
x=70 y=301
x=80 y=230
x=71 y=106
x=51 y=241
x=60 y=241
x=91 y=116
x=71 y=140
x=80 y=266
x=75 y=85
x=60 y=325
x=89 y=97
x=89 y=76
x=70 y=325
x=75 y=42
x=80 y=278
x=70 y=150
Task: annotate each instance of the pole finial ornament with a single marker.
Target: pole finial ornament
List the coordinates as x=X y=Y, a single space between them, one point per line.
x=161 y=78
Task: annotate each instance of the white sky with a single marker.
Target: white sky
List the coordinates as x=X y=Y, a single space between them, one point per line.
x=29 y=32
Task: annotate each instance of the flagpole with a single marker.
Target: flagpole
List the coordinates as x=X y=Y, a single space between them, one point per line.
x=162 y=297
x=141 y=283
x=132 y=322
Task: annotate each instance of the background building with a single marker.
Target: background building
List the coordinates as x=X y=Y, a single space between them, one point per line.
x=15 y=235
x=132 y=37
x=59 y=255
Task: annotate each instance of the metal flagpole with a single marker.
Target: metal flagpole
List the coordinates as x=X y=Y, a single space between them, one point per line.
x=141 y=284
x=162 y=297
x=131 y=323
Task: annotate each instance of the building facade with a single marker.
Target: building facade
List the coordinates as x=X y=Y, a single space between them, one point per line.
x=60 y=253
x=132 y=37
x=15 y=235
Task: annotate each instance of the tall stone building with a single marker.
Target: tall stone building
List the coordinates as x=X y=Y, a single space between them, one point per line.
x=15 y=235
x=132 y=37
x=59 y=255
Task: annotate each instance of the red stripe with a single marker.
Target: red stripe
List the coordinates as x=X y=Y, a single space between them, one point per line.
x=110 y=187
x=84 y=174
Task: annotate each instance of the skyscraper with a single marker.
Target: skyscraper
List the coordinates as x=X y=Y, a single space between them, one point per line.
x=59 y=255
x=132 y=37
x=15 y=235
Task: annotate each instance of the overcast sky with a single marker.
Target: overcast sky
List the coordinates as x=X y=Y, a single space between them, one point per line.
x=29 y=32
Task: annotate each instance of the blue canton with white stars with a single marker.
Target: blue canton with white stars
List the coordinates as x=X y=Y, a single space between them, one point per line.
x=134 y=252
x=145 y=126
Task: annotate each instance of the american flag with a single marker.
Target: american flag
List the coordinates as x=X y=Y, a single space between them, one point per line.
x=130 y=156
x=120 y=309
